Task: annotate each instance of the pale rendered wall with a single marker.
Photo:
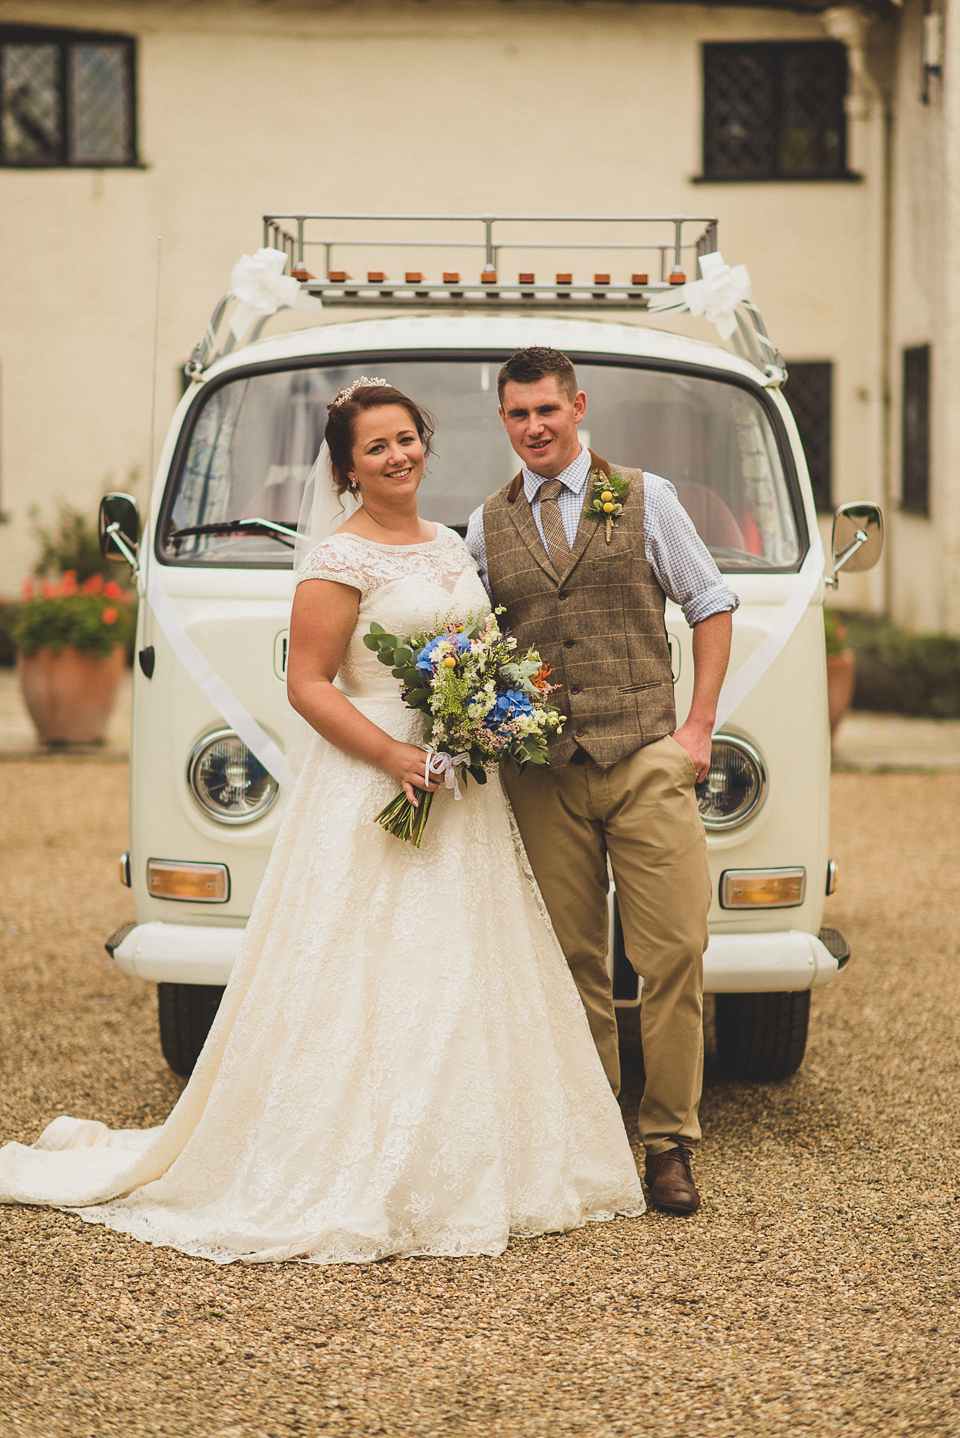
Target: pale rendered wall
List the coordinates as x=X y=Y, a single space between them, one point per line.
x=536 y=108
x=921 y=587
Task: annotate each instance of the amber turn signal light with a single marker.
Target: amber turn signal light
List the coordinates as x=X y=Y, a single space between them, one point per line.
x=762 y=888
x=196 y=883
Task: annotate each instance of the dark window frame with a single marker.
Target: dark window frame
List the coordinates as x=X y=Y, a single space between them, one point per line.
x=64 y=38
x=818 y=448
x=775 y=52
x=915 y=431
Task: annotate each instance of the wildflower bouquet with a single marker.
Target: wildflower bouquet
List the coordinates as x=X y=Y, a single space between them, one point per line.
x=94 y=616
x=481 y=702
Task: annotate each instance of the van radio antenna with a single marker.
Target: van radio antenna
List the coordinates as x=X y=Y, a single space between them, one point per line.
x=153 y=378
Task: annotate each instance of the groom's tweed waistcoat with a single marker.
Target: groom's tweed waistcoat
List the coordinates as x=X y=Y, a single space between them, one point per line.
x=599 y=624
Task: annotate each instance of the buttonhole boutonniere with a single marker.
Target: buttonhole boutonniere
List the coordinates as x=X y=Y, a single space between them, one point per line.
x=608 y=497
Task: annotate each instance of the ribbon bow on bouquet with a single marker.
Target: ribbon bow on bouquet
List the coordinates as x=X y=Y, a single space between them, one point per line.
x=261 y=288
x=446 y=766
x=716 y=295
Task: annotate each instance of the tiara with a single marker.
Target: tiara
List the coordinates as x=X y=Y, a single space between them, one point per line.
x=365 y=381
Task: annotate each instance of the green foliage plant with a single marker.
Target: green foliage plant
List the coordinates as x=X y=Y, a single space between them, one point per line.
x=834 y=633
x=71 y=543
x=94 y=617
x=901 y=673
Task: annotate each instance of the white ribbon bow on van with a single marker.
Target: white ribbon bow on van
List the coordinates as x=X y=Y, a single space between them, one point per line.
x=716 y=295
x=260 y=287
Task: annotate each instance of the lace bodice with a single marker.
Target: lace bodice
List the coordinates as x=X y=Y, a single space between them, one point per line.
x=404 y=587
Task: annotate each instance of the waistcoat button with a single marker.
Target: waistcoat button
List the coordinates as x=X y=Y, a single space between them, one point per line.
x=575 y=689
x=569 y=643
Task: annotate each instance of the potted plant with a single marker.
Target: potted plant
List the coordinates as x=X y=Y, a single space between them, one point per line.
x=841 y=669
x=71 y=646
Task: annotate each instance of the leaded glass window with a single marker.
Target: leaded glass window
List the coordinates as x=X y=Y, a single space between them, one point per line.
x=66 y=98
x=809 y=393
x=774 y=111
x=915 y=482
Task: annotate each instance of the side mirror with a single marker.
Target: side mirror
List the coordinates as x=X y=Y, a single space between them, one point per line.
x=119 y=529
x=857 y=538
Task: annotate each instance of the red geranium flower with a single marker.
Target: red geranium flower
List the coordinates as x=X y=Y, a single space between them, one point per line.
x=109 y=615
x=112 y=590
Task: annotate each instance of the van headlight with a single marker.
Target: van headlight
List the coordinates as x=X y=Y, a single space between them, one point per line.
x=735 y=787
x=228 y=782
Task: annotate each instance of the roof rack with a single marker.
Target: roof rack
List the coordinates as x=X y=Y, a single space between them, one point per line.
x=652 y=252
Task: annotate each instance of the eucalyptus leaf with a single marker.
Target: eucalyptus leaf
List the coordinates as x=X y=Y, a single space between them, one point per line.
x=403 y=654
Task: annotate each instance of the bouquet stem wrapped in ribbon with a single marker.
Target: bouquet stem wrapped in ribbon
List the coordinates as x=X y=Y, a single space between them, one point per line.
x=481 y=703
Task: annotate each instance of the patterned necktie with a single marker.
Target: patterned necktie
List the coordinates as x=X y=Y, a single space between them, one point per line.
x=551 y=521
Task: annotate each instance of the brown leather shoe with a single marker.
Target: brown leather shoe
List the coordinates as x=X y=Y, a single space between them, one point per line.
x=670 y=1181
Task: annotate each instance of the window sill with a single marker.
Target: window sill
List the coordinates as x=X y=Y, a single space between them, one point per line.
x=102 y=165
x=850 y=177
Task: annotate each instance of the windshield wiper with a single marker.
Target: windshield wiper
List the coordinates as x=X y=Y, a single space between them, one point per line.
x=281 y=532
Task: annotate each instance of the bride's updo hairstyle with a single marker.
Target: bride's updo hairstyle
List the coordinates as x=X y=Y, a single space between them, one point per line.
x=342 y=416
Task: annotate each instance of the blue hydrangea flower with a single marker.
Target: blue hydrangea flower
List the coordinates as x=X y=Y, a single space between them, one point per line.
x=511 y=704
x=426 y=660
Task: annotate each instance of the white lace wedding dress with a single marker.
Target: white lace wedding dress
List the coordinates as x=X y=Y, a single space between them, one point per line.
x=401 y=1064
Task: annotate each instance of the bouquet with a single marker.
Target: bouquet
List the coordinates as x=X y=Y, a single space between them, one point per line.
x=481 y=702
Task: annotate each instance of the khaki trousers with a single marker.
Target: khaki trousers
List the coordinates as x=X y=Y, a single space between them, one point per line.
x=642 y=813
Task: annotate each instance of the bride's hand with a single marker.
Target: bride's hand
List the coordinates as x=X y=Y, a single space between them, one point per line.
x=407 y=764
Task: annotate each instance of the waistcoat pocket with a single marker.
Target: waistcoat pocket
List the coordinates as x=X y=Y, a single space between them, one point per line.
x=636 y=688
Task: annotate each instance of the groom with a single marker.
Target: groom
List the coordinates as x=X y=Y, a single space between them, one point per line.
x=620 y=785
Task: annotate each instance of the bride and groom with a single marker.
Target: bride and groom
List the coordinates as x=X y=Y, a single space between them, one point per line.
x=402 y=1063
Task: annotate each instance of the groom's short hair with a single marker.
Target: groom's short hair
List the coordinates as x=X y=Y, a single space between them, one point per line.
x=534 y=363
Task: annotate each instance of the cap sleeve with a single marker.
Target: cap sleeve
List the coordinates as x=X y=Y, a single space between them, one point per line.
x=336 y=558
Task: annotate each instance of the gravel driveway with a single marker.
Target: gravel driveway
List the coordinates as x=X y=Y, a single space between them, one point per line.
x=816 y=1293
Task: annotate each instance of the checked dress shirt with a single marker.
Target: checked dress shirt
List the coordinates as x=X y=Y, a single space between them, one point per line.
x=683 y=566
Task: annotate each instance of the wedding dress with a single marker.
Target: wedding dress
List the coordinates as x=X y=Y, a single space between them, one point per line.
x=401 y=1064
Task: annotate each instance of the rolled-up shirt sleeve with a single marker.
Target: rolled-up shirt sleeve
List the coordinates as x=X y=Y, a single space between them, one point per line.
x=477 y=544
x=684 y=567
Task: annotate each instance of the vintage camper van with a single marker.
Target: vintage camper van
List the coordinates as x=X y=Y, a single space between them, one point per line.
x=213 y=559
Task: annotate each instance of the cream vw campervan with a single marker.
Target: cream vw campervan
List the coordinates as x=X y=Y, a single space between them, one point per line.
x=215 y=581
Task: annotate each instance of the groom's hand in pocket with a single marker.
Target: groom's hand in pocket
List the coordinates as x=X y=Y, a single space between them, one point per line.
x=697 y=739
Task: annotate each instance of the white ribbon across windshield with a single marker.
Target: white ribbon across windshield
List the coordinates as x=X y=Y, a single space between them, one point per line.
x=222 y=698
x=752 y=670
x=260 y=744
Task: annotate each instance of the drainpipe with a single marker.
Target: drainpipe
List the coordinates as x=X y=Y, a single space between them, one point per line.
x=850 y=25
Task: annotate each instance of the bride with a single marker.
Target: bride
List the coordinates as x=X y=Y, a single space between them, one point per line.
x=400 y=1064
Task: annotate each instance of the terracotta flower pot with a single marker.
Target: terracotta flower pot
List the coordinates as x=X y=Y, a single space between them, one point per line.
x=840 y=676
x=70 y=694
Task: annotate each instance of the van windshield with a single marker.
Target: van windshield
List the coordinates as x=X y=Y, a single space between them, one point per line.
x=254 y=440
